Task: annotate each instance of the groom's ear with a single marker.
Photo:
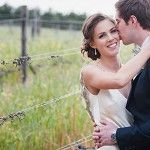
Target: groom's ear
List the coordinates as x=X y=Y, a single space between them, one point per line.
x=133 y=20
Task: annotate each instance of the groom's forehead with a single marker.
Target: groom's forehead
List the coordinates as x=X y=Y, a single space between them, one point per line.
x=117 y=15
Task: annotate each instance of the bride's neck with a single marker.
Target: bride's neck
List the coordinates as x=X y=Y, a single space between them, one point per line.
x=112 y=64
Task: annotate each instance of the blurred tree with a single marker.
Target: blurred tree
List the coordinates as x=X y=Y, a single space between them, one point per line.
x=6 y=12
x=17 y=12
x=47 y=15
x=48 y=18
x=76 y=17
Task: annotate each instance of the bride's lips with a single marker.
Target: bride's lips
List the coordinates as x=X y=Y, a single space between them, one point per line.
x=112 y=45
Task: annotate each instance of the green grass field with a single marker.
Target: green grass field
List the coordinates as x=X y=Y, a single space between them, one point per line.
x=54 y=125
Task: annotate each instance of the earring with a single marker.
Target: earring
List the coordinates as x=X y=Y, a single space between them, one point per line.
x=95 y=51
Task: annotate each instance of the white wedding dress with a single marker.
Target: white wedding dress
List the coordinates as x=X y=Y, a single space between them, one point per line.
x=107 y=104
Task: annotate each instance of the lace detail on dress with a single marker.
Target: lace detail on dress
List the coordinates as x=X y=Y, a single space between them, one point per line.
x=85 y=95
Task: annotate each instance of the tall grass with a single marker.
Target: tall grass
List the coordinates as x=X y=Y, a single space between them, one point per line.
x=51 y=126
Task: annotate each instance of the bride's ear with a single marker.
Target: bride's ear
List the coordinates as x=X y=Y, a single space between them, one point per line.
x=92 y=45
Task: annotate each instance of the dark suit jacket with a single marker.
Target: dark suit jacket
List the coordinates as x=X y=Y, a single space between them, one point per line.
x=137 y=137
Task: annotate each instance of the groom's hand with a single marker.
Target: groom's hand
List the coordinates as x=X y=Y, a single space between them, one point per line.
x=106 y=130
x=96 y=135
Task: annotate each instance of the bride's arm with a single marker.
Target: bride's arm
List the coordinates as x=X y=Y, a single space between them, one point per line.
x=99 y=79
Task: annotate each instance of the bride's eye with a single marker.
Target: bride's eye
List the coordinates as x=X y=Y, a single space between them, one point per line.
x=102 y=36
x=114 y=31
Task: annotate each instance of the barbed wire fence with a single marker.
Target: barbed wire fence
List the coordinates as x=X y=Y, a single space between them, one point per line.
x=77 y=144
x=21 y=113
x=26 y=60
x=51 y=55
x=23 y=22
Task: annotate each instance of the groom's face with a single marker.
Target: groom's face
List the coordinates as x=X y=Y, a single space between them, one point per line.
x=124 y=30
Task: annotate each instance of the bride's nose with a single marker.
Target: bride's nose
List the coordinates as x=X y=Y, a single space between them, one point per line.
x=110 y=37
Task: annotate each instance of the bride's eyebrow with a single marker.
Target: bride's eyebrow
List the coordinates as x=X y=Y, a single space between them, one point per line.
x=101 y=33
x=113 y=28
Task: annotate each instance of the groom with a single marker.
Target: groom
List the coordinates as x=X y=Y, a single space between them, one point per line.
x=133 y=22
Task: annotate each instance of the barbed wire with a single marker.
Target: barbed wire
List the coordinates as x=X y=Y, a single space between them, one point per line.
x=11 y=20
x=55 y=56
x=76 y=143
x=27 y=59
x=40 y=20
x=51 y=53
x=22 y=60
x=20 y=114
x=16 y=61
x=57 y=21
x=47 y=53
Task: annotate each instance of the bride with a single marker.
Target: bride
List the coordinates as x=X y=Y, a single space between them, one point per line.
x=106 y=83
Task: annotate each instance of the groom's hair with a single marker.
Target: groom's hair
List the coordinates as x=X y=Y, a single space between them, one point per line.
x=139 y=8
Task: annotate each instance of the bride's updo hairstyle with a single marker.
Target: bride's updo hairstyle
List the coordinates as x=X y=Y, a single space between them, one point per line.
x=88 y=33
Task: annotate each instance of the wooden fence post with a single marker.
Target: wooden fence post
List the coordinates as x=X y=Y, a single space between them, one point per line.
x=24 y=42
x=38 y=25
x=35 y=27
x=34 y=23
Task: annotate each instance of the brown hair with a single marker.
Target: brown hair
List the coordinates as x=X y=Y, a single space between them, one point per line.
x=139 y=8
x=88 y=32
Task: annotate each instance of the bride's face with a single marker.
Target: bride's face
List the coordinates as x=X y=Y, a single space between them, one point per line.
x=106 y=38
